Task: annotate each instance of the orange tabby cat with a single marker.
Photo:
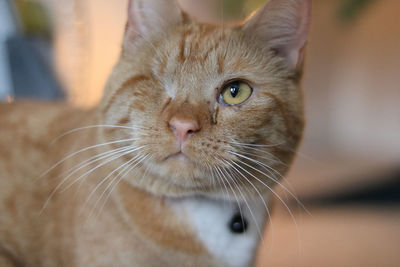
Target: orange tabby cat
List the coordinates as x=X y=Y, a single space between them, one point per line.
x=175 y=167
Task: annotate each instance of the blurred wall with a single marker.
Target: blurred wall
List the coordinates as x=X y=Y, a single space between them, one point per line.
x=7 y=29
x=353 y=83
x=88 y=36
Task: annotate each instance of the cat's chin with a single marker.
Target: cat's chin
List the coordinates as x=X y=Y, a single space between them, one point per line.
x=175 y=176
x=180 y=167
x=179 y=170
x=179 y=158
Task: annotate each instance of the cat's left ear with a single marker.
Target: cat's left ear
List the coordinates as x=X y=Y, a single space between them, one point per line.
x=282 y=26
x=147 y=17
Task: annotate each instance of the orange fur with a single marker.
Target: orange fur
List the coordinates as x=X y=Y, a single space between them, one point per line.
x=177 y=73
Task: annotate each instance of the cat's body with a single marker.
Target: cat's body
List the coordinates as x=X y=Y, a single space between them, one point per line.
x=180 y=162
x=128 y=230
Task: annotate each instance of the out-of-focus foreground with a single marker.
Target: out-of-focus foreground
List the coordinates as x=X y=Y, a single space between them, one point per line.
x=347 y=171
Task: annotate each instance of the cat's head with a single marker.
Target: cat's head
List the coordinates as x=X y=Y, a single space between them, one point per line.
x=211 y=108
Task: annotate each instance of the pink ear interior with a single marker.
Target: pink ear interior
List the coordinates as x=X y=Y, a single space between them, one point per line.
x=131 y=29
x=282 y=25
x=147 y=17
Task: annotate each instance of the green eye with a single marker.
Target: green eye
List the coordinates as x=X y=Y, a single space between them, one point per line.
x=235 y=93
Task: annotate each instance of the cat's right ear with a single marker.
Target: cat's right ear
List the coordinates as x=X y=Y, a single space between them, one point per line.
x=147 y=17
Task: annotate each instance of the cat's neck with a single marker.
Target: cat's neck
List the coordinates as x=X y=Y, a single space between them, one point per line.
x=196 y=224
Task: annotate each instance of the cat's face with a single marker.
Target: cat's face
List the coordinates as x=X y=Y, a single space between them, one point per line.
x=211 y=108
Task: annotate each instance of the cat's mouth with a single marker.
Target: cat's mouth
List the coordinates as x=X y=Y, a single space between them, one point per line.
x=179 y=156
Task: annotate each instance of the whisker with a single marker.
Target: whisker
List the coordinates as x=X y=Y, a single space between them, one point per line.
x=108 y=155
x=269 y=168
x=86 y=149
x=244 y=199
x=106 y=178
x=273 y=157
x=258 y=192
x=276 y=160
x=234 y=175
x=254 y=200
x=276 y=195
x=270 y=177
x=86 y=163
x=212 y=180
x=221 y=182
x=121 y=176
x=145 y=171
x=223 y=177
x=55 y=190
x=100 y=165
x=95 y=126
x=254 y=145
x=265 y=166
x=93 y=159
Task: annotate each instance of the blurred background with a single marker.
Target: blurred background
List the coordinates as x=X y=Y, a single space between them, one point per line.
x=347 y=172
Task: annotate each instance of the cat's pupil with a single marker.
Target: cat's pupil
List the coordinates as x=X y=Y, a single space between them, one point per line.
x=235 y=88
x=238 y=224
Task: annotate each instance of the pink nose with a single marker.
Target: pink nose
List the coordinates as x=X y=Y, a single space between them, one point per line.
x=183 y=128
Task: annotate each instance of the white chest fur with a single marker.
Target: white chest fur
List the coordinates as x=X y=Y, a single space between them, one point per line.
x=211 y=221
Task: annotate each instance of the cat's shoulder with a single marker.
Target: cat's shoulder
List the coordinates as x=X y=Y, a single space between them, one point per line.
x=39 y=117
x=32 y=108
x=28 y=128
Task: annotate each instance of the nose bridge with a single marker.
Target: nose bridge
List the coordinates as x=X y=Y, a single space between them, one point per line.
x=184 y=110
